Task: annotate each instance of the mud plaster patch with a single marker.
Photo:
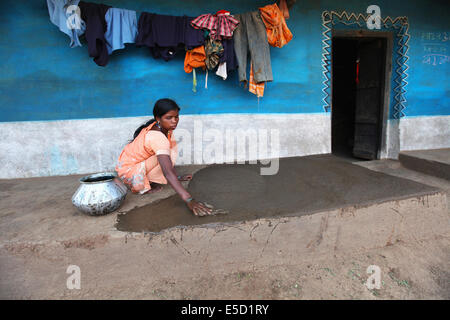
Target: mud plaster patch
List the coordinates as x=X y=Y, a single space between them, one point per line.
x=302 y=186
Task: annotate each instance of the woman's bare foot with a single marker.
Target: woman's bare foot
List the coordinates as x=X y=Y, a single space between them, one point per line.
x=154 y=188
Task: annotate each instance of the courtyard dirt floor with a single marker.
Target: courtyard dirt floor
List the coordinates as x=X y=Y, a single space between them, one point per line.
x=321 y=255
x=418 y=270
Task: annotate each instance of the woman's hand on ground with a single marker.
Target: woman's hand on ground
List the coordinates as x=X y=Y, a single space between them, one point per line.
x=198 y=208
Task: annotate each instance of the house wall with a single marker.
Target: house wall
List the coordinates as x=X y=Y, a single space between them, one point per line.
x=63 y=114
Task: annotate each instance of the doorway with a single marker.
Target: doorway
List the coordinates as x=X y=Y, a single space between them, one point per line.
x=359 y=97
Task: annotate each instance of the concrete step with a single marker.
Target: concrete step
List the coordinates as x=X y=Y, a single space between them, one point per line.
x=431 y=162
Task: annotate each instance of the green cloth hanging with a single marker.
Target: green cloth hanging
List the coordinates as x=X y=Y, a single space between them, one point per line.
x=194 y=81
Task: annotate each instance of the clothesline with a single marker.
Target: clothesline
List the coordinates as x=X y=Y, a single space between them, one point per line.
x=219 y=41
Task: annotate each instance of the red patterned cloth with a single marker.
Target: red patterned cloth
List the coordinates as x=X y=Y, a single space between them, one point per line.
x=221 y=26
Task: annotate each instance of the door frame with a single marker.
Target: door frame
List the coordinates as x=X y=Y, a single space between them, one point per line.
x=390 y=135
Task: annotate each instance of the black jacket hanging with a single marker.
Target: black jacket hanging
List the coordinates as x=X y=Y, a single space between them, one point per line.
x=165 y=35
x=93 y=15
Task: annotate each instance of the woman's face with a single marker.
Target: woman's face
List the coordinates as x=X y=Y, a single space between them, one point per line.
x=169 y=121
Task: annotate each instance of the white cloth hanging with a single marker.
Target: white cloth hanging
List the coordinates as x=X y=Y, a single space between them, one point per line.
x=222 y=70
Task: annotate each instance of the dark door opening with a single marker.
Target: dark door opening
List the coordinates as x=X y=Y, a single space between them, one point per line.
x=357 y=96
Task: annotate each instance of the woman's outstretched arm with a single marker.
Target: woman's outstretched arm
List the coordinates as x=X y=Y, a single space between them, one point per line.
x=169 y=172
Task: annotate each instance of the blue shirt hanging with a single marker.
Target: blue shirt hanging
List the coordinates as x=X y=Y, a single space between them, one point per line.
x=121 y=28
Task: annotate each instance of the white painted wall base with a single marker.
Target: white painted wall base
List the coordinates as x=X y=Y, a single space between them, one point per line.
x=48 y=148
x=390 y=144
x=424 y=133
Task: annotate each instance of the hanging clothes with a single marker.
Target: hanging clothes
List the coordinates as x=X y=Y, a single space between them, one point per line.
x=213 y=50
x=165 y=35
x=121 y=28
x=94 y=16
x=284 y=9
x=278 y=33
x=250 y=38
x=61 y=13
x=254 y=87
x=229 y=55
x=222 y=71
x=227 y=61
x=220 y=25
x=194 y=58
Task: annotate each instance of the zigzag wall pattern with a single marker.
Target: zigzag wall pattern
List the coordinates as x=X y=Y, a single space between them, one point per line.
x=400 y=23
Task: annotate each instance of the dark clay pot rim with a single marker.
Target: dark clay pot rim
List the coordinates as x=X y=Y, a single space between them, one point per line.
x=108 y=176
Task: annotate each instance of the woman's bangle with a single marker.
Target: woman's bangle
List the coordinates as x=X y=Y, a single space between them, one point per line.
x=189 y=200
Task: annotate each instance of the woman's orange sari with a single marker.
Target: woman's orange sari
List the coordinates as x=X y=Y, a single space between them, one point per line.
x=138 y=164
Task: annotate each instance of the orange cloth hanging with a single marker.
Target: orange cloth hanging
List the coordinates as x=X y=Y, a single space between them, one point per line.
x=278 y=33
x=253 y=87
x=284 y=8
x=194 y=58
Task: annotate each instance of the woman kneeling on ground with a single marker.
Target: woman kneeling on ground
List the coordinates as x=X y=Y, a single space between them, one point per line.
x=148 y=160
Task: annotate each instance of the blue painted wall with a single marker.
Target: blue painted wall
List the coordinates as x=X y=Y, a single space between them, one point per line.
x=42 y=78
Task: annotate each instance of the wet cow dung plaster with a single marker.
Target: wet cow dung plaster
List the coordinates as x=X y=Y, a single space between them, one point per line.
x=301 y=186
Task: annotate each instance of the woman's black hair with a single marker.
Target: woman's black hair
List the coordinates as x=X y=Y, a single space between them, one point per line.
x=162 y=106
